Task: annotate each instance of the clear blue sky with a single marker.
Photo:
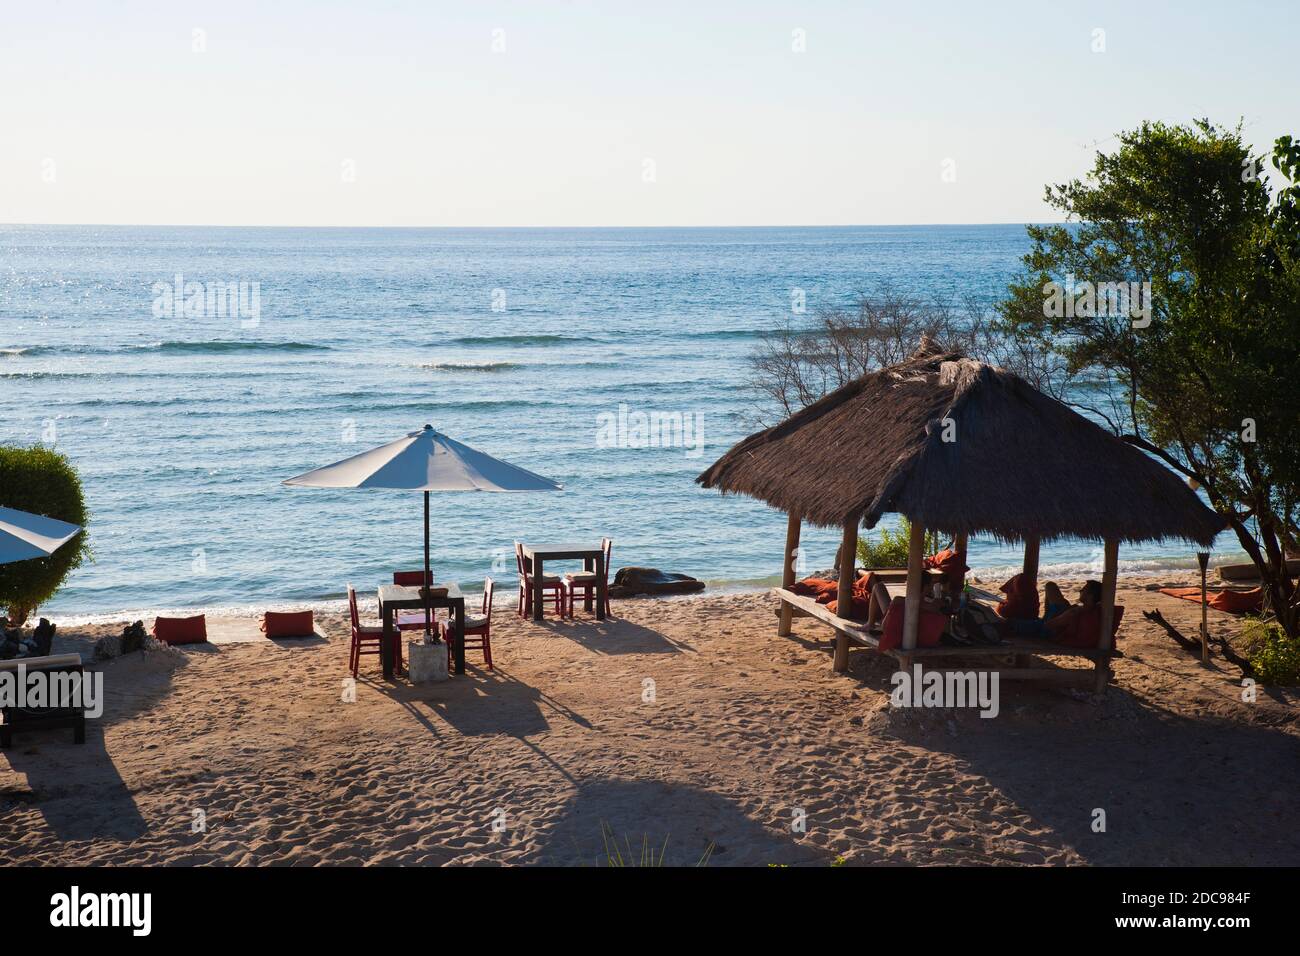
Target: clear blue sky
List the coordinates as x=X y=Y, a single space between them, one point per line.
x=109 y=115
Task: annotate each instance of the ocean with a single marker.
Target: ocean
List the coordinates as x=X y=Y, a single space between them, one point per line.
x=183 y=412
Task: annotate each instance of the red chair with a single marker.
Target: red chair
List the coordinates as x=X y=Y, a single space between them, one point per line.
x=412 y=620
x=550 y=583
x=366 y=638
x=478 y=629
x=587 y=582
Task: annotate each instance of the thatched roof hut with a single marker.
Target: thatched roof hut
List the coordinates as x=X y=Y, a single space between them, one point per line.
x=960 y=447
x=963 y=448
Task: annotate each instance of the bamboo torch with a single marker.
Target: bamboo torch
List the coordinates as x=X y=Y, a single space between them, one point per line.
x=1203 y=559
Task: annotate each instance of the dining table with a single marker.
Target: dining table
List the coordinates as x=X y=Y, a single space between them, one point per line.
x=397 y=597
x=592 y=558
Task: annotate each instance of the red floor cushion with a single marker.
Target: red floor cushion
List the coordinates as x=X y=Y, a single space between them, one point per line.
x=1084 y=629
x=181 y=630
x=931 y=627
x=288 y=624
x=1021 y=601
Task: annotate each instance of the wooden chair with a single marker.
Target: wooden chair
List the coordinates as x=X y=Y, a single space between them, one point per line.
x=587 y=582
x=413 y=620
x=550 y=583
x=366 y=639
x=478 y=629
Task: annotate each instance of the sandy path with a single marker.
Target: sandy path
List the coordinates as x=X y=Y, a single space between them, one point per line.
x=744 y=734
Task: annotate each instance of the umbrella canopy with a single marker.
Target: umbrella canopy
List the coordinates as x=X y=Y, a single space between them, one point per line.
x=25 y=536
x=425 y=460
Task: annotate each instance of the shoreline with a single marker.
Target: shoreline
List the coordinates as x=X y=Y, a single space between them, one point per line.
x=986 y=577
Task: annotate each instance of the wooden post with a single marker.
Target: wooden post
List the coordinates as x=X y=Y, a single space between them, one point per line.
x=1108 y=580
x=1031 y=559
x=1203 y=559
x=959 y=542
x=844 y=598
x=793 y=522
x=915 y=586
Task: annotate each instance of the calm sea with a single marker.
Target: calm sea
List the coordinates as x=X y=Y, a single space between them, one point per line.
x=516 y=341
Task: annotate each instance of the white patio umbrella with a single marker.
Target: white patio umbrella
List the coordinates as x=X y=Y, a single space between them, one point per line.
x=427 y=461
x=25 y=536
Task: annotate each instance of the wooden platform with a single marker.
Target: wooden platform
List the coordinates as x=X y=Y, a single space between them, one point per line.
x=1016 y=647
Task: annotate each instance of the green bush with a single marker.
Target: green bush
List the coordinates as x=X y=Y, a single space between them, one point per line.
x=1274 y=657
x=42 y=482
x=892 y=550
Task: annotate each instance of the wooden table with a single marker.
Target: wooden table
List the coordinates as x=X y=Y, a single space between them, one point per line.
x=395 y=597
x=593 y=559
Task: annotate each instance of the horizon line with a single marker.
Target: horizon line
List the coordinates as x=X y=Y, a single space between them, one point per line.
x=200 y=225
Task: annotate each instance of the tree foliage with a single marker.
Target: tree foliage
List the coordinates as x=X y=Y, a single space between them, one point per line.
x=1207 y=381
x=43 y=482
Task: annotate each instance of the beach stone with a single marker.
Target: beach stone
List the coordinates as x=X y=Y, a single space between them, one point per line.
x=629 y=582
x=426 y=663
x=108 y=647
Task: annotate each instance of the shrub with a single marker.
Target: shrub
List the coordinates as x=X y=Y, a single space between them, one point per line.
x=1273 y=656
x=892 y=550
x=43 y=482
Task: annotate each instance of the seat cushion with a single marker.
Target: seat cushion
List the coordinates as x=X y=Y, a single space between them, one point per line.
x=929 y=629
x=475 y=620
x=292 y=624
x=547 y=580
x=411 y=619
x=181 y=630
x=583 y=576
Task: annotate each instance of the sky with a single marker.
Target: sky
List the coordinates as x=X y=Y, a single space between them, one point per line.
x=730 y=112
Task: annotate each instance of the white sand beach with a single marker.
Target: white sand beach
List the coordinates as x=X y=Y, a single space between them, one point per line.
x=244 y=753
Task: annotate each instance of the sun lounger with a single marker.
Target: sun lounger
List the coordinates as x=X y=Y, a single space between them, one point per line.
x=35 y=718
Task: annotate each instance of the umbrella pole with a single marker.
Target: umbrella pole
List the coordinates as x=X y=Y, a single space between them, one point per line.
x=428 y=624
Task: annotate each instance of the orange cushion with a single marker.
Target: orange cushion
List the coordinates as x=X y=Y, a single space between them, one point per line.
x=948 y=562
x=288 y=624
x=928 y=633
x=1022 y=599
x=1234 y=602
x=181 y=630
x=858 y=610
x=819 y=589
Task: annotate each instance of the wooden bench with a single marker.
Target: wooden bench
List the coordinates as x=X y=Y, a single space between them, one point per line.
x=36 y=718
x=1018 y=651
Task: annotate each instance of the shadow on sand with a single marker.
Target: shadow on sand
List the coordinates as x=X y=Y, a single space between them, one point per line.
x=481 y=703
x=699 y=827
x=1176 y=790
x=613 y=636
x=97 y=807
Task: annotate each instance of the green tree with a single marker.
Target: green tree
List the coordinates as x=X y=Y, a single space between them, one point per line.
x=43 y=482
x=1200 y=367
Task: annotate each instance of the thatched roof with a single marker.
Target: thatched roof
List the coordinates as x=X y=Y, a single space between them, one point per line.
x=1022 y=464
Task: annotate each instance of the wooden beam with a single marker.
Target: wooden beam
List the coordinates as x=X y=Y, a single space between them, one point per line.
x=844 y=598
x=857 y=633
x=1030 y=568
x=915 y=586
x=792 y=524
x=1109 y=576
